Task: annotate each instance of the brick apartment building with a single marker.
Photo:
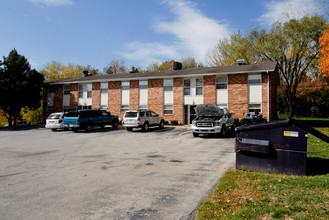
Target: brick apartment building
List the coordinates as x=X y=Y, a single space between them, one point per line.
x=172 y=94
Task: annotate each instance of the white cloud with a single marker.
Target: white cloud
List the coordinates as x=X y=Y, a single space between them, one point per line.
x=289 y=9
x=195 y=34
x=52 y=2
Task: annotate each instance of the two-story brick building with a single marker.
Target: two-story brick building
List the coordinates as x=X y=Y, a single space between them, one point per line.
x=173 y=93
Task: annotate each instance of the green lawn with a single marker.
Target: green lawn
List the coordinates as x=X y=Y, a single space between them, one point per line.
x=255 y=195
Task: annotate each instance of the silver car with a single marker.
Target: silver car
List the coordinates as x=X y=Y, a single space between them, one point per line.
x=142 y=119
x=55 y=121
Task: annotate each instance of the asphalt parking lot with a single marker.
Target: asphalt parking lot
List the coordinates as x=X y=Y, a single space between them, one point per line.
x=108 y=174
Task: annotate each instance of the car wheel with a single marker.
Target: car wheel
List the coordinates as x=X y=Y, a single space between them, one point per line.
x=89 y=127
x=102 y=126
x=129 y=129
x=161 y=124
x=145 y=127
x=223 y=132
x=195 y=135
x=54 y=129
x=115 y=124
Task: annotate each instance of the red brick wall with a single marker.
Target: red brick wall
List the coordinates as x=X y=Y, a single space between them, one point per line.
x=58 y=98
x=155 y=96
x=133 y=95
x=238 y=94
x=74 y=96
x=178 y=106
x=114 y=98
x=209 y=89
x=96 y=96
x=265 y=94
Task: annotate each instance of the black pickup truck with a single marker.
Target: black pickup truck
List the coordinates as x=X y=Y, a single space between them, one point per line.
x=87 y=119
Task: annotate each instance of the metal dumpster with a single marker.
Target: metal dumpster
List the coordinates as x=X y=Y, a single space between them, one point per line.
x=274 y=147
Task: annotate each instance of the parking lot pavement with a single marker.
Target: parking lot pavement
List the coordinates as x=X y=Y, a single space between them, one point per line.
x=108 y=174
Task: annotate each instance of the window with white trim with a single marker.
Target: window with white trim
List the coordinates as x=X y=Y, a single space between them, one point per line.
x=66 y=89
x=89 y=90
x=254 y=107
x=168 y=85
x=221 y=82
x=199 y=86
x=104 y=88
x=187 y=86
x=124 y=108
x=167 y=109
x=80 y=91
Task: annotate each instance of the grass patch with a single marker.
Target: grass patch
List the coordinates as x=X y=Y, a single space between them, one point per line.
x=255 y=195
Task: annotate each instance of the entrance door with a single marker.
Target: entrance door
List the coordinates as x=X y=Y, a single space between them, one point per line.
x=189 y=114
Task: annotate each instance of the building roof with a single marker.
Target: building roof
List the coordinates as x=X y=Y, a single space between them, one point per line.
x=197 y=71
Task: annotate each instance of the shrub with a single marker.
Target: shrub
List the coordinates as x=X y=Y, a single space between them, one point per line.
x=174 y=122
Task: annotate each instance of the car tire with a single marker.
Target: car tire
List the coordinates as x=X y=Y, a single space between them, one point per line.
x=129 y=129
x=145 y=126
x=223 y=131
x=195 y=135
x=88 y=128
x=115 y=124
x=161 y=124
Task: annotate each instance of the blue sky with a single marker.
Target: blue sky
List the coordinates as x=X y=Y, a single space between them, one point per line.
x=95 y=32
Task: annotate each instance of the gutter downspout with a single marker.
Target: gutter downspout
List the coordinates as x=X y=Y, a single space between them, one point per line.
x=268 y=95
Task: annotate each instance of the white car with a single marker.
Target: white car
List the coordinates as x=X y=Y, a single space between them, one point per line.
x=55 y=121
x=142 y=119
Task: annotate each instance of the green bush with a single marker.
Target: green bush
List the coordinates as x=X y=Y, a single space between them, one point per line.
x=174 y=122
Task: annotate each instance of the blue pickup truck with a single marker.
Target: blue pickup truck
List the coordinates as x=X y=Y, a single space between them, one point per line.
x=87 y=119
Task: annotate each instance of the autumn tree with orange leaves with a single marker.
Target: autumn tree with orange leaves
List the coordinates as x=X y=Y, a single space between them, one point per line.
x=324 y=61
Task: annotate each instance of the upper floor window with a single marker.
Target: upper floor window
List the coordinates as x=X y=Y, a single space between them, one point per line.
x=104 y=87
x=80 y=92
x=255 y=79
x=199 y=86
x=168 y=85
x=143 y=84
x=221 y=82
x=125 y=85
x=89 y=90
x=67 y=90
x=187 y=86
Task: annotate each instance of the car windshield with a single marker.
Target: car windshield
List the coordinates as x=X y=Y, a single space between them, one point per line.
x=54 y=116
x=131 y=114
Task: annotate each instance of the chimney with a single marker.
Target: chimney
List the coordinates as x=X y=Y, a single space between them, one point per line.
x=241 y=62
x=133 y=69
x=176 y=66
x=85 y=72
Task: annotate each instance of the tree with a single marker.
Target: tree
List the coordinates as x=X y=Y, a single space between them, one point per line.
x=153 y=66
x=166 y=65
x=116 y=67
x=19 y=86
x=292 y=44
x=189 y=62
x=55 y=70
x=324 y=60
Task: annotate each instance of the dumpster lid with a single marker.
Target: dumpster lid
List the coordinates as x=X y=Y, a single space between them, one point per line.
x=280 y=123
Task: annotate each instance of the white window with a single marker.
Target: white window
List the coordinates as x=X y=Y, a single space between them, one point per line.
x=255 y=92
x=187 y=86
x=143 y=96
x=125 y=96
x=142 y=107
x=168 y=109
x=89 y=90
x=221 y=82
x=104 y=87
x=124 y=108
x=199 y=86
x=255 y=107
x=80 y=91
x=67 y=90
x=143 y=84
x=168 y=85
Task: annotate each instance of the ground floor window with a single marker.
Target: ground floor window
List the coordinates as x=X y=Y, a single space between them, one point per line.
x=255 y=107
x=124 y=108
x=222 y=105
x=84 y=107
x=66 y=108
x=104 y=107
x=142 y=107
x=167 y=109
